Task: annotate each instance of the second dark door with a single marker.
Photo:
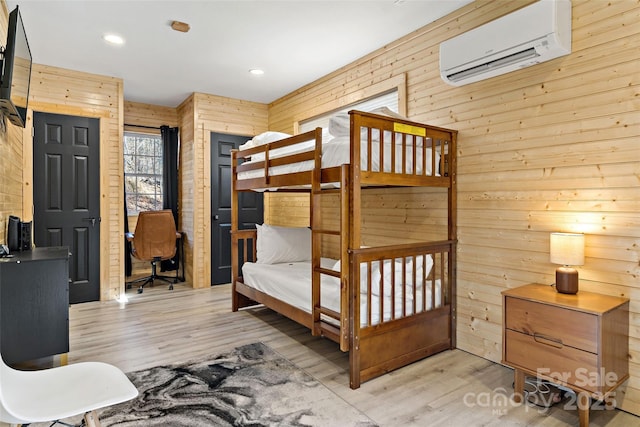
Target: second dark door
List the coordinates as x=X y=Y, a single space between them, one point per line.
x=250 y=205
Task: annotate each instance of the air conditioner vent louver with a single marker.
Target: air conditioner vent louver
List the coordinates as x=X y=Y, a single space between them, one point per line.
x=495 y=64
x=531 y=35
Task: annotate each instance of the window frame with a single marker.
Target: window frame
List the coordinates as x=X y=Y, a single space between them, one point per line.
x=154 y=159
x=347 y=100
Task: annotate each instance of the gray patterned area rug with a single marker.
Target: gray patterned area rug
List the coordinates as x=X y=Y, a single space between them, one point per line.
x=249 y=386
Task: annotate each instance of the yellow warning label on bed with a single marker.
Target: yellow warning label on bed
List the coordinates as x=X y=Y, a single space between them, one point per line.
x=412 y=130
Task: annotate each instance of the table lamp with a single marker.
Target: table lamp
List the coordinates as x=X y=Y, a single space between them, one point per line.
x=567 y=249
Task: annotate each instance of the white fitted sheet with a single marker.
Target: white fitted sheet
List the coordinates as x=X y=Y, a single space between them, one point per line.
x=291 y=283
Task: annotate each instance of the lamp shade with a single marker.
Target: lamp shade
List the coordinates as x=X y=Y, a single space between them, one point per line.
x=566 y=248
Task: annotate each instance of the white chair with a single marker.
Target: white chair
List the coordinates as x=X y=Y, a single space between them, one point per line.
x=53 y=394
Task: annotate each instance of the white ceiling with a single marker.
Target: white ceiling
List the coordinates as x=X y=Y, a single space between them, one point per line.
x=295 y=42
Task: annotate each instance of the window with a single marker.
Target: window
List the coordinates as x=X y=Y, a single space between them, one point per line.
x=389 y=100
x=142 y=172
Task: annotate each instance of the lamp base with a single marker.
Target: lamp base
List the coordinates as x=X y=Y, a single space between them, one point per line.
x=567 y=280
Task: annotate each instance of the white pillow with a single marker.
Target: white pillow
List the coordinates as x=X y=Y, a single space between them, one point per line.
x=276 y=244
x=385 y=111
x=339 y=123
x=389 y=271
x=397 y=270
x=339 y=126
x=326 y=135
x=289 y=149
x=264 y=138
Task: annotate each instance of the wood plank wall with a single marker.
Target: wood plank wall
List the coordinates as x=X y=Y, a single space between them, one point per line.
x=186 y=122
x=11 y=177
x=200 y=115
x=141 y=114
x=62 y=91
x=554 y=147
x=287 y=209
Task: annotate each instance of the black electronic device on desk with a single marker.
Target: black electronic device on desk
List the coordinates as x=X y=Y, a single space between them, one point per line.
x=18 y=235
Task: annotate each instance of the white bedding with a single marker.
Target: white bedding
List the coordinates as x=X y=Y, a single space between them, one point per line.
x=291 y=283
x=335 y=152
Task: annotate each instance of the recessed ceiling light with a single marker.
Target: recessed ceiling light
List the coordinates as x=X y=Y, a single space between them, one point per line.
x=256 y=71
x=113 y=39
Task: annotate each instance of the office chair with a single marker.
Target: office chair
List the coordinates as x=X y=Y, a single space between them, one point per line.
x=53 y=394
x=154 y=240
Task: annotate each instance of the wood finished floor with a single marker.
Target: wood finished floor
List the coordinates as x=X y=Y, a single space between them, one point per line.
x=453 y=388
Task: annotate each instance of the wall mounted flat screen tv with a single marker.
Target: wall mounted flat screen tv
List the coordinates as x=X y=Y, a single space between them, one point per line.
x=16 y=72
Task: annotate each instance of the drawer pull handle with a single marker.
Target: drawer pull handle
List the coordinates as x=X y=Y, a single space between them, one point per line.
x=553 y=342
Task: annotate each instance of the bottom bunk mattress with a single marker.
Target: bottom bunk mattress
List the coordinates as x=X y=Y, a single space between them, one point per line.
x=291 y=283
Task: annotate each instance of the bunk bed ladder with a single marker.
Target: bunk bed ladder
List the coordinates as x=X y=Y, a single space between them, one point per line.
x=327 y=322
x=316 y=235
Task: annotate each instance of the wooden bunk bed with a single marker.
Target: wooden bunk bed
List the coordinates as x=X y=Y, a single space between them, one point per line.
x=392 y=310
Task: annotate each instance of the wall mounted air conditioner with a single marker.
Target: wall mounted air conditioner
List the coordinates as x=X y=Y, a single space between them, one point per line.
x=528 y=36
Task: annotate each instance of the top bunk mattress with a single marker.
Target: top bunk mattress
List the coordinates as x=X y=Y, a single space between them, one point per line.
x=335 y=152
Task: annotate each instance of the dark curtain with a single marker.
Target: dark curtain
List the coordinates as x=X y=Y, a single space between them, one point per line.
x=128 y=267
x=170 y=184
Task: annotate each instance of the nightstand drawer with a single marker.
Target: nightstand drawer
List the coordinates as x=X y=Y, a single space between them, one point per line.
x=570 y=327
x=562 y=363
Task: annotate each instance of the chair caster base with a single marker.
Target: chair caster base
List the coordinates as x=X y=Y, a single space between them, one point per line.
x=171 y=287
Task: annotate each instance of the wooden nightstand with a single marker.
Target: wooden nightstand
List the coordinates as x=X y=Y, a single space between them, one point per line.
x=579 y=341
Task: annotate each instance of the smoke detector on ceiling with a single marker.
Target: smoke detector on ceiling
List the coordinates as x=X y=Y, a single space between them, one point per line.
x=183 y=27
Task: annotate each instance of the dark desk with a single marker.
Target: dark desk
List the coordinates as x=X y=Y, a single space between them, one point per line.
x=180 y=235
x=181 y=255
x=34 y=304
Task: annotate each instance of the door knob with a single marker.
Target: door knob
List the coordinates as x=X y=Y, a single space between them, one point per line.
x=92 y=220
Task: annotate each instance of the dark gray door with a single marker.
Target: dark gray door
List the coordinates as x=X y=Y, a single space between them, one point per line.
x=250 y=205
x=66 y=196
